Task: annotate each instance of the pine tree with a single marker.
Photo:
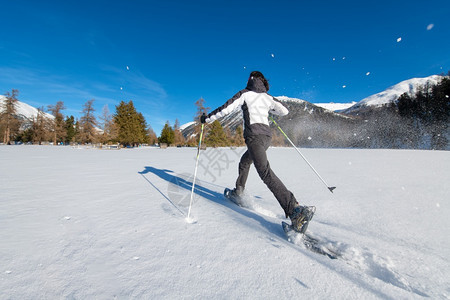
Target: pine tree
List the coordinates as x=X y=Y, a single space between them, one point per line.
x=142 y=130
x=9 y=122
x=440 y=111
x=216 y=136
x=131 y=125
x=167 y=135
x=404 y=105
x=70 y=128
x=426 y=113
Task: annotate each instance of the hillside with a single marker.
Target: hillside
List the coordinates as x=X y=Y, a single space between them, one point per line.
x=370 y=123
x=24 y=110
x=392 y=93
x=298 y=109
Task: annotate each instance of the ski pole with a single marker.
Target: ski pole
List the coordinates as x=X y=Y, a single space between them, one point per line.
x=285 y=135
x=195 y=172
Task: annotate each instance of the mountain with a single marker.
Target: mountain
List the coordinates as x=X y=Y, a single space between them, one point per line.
x=25 y=111
x=299 y=111
x=336 y=107
x=369 y=123
x=391 y=94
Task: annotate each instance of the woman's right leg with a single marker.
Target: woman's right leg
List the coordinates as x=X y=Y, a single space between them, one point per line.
x=257 y=151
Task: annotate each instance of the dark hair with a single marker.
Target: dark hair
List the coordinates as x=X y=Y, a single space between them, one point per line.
x=257 y=74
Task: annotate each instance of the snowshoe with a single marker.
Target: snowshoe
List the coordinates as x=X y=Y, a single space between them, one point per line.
x=234 y=196
x=301 y=216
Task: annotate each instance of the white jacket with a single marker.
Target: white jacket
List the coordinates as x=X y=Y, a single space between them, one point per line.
x=256 y=105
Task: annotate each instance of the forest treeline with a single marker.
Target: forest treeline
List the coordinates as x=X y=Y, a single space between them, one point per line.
x=126 y=126
x=419 y=121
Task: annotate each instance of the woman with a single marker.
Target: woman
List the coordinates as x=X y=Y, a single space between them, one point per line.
x=256 y=105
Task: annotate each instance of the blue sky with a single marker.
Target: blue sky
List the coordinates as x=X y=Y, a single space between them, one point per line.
x=165 y=55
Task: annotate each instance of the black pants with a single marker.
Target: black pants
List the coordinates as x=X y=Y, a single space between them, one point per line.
x=256 y=153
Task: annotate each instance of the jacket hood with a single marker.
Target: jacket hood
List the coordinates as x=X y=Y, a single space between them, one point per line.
x=256 y=85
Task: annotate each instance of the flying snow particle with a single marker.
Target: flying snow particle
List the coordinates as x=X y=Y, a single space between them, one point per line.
x=343 y=58
x=334 y=58
x=399 y=40
x=344 y=86
x=245 y=68
x=128 y=68
x=121 y=88
x=446 y=96
x=438 y=205
x=8 y=272
x=67 y=218
x=309 y=138
x=430 y=26
x=136 y=258
x=368 y=73
x=273 y=55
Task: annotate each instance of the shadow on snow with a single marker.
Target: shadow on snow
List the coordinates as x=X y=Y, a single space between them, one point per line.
x=207 y=193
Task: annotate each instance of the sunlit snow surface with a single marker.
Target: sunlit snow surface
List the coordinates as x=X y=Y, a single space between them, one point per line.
x=85 y=223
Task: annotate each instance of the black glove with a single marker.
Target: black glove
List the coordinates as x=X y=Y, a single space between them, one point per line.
x=203 y=118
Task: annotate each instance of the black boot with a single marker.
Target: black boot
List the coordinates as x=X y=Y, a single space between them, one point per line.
x=301 y=216
x=235 y=195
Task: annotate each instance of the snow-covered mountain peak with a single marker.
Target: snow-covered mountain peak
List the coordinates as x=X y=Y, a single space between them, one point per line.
x=24 y=110
x=336 y=107
x=392 y=93
x=289 y=99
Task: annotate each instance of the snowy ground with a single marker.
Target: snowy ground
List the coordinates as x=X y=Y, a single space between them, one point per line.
x=105 y=224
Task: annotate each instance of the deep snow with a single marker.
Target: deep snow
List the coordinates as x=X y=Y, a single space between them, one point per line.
x=102 y=224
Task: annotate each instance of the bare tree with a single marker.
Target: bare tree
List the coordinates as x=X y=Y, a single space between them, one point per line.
x=179 y=139
x=110 y=130
x=40 y=127
x=88 y=123
x=8 y=116
x=153 y=139
x=200 y=103
x=201 y=109
x=57 y=125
